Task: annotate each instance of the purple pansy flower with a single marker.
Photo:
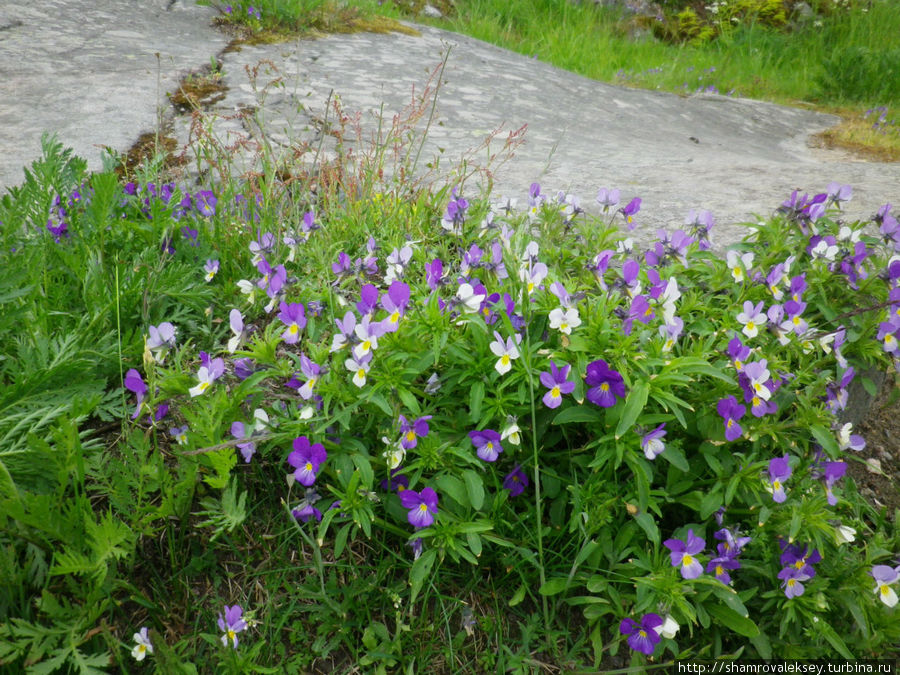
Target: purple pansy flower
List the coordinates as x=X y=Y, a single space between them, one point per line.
x=292 y=315
x=799 y=557
x=306 y=509
x=423 y=506
x=232 y=624
x=720 y=566
x=605 y=384
x=411 y=432
x=834 y=471
x=487 y=444
x=651 y=442
x=395 y=302
x=792 y=579
x=683 y=554
x=161 y=340
x=779 y=471
x=306 y=460
x=557 y=384
x=629 y=210
x=731 y=412
x=515 y=481
x=136 y=385
x=210 y=371
x=885 y=575
x=642 y=637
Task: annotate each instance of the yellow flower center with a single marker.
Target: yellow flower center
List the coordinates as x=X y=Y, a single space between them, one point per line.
x=751 y=325
x=687 y=560
x=293 y=329
x=554 y=392
x=309 y=466
x=504 y=359
x=719 y=570
x=604 y=387
x=410 y=436
x=423 y=507
x=791 y=583
x=395 y=317
x=885 y=589
x=777 y=486
x=367 y=345
x=204 y=386
x=490 y=446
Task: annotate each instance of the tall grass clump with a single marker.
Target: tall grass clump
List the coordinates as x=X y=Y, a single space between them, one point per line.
x=344 y=418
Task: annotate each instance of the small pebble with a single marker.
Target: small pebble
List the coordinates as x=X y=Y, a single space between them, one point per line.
x=873 y=465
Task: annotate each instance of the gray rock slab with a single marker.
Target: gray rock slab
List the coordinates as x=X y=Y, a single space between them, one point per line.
x=90 y=73
x=94 y=73
x=736 y=157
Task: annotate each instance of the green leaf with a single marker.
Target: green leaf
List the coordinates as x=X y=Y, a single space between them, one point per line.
x=579 y=413
x=763 y=645
x=476 y=396
x=409 y=400
x=634 y=404
x=730 y=598
x=826 y=439
x=554 y=586
x=453 y=487
x=365 y=470
x=834 y=639
x=731 y=619
x=474 y=487
x=710 y=504
x=420 y=570
x=379 y=400
x=474 y=542
x=676 y=458
x=518 y=596
x=648 y=525
x=869 y=386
